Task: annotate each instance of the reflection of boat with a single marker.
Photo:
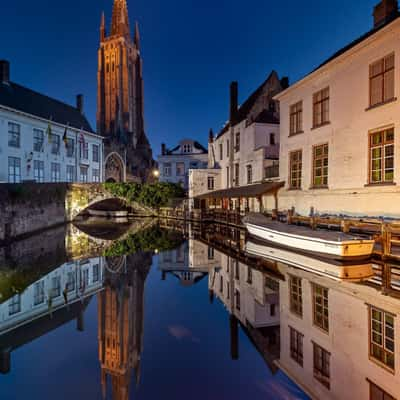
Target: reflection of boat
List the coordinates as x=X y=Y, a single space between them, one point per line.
x=335 y=269
x=330 y=244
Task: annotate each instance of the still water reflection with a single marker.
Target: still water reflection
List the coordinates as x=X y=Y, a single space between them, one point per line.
x=148 y=310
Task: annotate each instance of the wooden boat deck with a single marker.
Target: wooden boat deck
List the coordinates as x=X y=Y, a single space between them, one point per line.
x=331 y=236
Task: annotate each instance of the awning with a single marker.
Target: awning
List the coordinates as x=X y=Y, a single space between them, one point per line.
x=249 y=191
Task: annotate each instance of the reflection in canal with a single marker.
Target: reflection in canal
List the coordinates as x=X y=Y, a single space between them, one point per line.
x=159 y=308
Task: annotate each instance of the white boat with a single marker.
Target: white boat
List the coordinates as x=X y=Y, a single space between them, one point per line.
x=337 y=245
x=334 y=269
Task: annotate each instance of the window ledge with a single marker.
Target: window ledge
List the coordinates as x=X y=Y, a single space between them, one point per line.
x=319 y=188
x=380 y=184
x=295 y=133
x=381 y=104
x=321 y=125
x=294 y=189
x=381 y=364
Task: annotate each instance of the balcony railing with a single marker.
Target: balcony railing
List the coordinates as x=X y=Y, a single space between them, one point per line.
x=271 y=172
x=272 y=152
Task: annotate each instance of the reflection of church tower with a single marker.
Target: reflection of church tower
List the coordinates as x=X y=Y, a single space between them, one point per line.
x=120 y=104
x=121 y=318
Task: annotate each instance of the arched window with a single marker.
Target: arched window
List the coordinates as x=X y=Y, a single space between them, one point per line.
x=272 y=139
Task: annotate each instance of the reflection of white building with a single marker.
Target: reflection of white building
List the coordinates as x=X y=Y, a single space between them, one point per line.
x=338 y=340
x=190 y=262
x=68 y=283
x=249 y=294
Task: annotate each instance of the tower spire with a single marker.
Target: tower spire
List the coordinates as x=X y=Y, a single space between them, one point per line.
x=136 y=38
x=102 y=27
x=120 y=19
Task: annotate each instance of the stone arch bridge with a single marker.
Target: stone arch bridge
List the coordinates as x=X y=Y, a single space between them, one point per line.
x=81 y=196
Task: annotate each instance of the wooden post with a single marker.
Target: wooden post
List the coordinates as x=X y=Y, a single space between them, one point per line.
x=345 y=226
x=384 y=240
x=290 y=216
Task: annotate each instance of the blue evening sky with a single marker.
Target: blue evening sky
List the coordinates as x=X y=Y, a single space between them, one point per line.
x=191 y=49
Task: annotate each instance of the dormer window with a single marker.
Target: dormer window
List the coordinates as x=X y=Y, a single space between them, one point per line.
x=187 y=148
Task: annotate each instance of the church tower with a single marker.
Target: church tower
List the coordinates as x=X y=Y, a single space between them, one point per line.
x=120 y=100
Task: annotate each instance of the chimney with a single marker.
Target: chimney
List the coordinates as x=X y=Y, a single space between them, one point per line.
x=79 y=103
x=384 y=12
x=211 y=136
x=4 y=71
x=234 y=102
x=285 y=82
x=163 y=149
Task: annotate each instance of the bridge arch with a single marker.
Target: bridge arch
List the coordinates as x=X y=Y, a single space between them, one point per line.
x=114 y=168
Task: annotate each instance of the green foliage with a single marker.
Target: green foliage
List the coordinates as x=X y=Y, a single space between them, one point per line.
x=153 y=195
x=151 y=239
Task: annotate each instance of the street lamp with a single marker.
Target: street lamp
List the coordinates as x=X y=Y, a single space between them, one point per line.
x=156 y=173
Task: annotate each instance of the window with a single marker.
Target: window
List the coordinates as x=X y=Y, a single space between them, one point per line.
x=14 y=170
x=14 y=135
x=296 y=118
x=237 y=142
x=221 y=284
x=86 y=278
x=249 y=275
x=55 y=172
x=193 y=165
x=14 y=305
x=70 y=286
x=382 y=337
x=381 y=81
x=237 y=178
x=296 y=161
x=38 y=140
x=227 y=148
x=272 y=139
x=180 y=169
x=83 y=173
x=321 y=108
x=95 y=175
x=70 y=173
x=210 y=183
x=322 y=365
x=249 y=174
x=55 y=144
x=95 y=153
x=187 y=148
x=38 y=293
x=96 y=273
x=272 y=310
x=210 y=253
x=55 y=287
x=84 y=150
x=321 y=307
x=228 y=183
x=228 y=293
x=296 y=346
x=320 y=165
x=237 y=270
x=381 y=150
x=376 y=393
x=70 y=147
x=237 y=297
x=38 y=171
x=296 y=296
x=221 y=152
x=167 y=169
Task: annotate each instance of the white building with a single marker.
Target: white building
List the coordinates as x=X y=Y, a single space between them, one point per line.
x=175 y=164
x=340 y=124
x=43 y=139
x=246 y=151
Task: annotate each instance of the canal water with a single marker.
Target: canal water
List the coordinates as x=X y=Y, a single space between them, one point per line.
x=144 y=310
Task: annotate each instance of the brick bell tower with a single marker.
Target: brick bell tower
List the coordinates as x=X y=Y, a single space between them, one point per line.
x=120 y=103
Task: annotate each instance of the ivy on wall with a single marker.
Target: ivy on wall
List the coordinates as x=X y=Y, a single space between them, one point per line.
x=154 y=195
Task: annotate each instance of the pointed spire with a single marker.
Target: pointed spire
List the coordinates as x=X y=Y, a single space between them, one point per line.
x=136 y=38
x=102 y=27
x=120 y=19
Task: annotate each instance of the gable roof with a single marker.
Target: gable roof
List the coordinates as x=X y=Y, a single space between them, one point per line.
x=196 y=145
x=28 y=101
x=246 y=107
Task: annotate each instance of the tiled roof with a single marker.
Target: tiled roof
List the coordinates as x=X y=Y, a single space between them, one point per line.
x=28 y=101
x=267 y=117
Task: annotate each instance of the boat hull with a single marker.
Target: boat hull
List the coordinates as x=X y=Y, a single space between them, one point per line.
x=348 y=250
